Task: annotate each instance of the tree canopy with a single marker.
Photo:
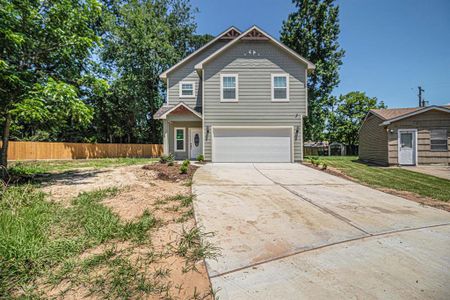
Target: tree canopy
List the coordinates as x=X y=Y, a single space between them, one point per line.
x=346 y=116
x=87 y=70
x=312 y=31
x=45 y=50
x=141 y=39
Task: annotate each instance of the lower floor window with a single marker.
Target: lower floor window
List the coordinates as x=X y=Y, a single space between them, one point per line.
x=179 y=139
x=438 y=139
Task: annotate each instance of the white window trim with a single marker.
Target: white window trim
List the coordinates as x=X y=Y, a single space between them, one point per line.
x=272 y=86
x=175 y=139
x=181 y=89
x=221 y=87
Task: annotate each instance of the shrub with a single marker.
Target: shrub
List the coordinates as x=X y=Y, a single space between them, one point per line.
x=183 y=169
x=200 y=158
x=166 y=158
x=186 y=162
x=163 y=159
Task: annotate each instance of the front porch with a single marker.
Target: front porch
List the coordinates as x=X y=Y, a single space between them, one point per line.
x=182 y=131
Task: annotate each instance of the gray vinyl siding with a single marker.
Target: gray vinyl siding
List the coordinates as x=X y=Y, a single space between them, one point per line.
x=254 y=62
x=373 y=141
x=423 y=122
x=186 y=72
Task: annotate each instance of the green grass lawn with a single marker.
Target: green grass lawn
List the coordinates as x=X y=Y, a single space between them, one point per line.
x=392 y=178
x=29 y=168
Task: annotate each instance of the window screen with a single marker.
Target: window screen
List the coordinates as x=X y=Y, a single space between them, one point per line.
x=229 y=87
x=280 y=87
x=187 y=89
x=438 y=139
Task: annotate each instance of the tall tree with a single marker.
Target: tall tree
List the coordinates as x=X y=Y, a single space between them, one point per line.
x=142 y=38
x=44 y=50
x=348 y=112
x=313 y=31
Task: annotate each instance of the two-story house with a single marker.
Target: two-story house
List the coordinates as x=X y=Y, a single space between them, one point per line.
x=241 y=97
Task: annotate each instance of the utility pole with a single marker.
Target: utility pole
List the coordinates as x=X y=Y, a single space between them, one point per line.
x=421 y=101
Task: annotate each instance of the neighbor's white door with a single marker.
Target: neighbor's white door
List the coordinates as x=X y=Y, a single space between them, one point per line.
x=196 y=142
x=407 y=147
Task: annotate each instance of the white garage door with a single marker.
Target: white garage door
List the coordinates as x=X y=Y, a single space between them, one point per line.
x=252 y=145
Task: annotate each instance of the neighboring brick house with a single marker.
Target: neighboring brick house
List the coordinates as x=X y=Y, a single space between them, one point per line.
x=240 y=98
x=406 y=136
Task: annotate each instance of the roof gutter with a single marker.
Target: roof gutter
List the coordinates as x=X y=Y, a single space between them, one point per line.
x=425 y=109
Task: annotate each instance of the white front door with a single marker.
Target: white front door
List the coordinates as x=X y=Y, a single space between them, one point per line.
x=407 y=147
x=196 y=142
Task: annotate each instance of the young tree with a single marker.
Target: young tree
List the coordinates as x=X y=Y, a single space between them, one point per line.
x=347 y=115
x=44 y=47
x=141 y=40
x=313 y=31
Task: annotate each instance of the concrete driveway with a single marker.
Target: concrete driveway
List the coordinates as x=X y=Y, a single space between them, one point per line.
x=290 y=232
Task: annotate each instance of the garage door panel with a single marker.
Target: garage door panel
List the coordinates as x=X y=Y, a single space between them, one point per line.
x=252 y=145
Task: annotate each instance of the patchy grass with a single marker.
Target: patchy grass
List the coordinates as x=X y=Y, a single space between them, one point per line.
x=38 y=235
x=30 y=168
x=391 y=178
x=194 y=247
x=82 y=248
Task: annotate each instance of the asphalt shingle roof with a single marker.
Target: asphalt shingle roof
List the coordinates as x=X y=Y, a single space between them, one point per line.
x=390 y=113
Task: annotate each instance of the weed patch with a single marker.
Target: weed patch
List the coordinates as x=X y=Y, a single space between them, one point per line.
x=38 y=235
x=194 y=247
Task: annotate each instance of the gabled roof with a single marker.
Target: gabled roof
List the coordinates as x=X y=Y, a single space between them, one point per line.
x=257 y=33
x=390 y=115
x=230 y=33
x=165 y=110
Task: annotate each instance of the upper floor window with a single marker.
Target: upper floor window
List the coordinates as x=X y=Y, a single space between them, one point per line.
x=280 y=87
x=229 y=87
x=438 y=139
x=187 y=89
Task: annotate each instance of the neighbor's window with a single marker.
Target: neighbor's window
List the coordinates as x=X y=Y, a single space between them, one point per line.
x=187 y=89
x=179 y=139
x=229 y=83
x=280 y=86
x=438 y=139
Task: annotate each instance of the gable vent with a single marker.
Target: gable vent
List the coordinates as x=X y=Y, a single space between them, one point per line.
x=230 y=35
x=255 y=35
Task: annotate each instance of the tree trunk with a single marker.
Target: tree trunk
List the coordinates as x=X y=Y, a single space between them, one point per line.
x=4 y=149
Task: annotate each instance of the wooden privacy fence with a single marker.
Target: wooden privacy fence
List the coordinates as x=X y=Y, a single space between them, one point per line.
x=58 y=150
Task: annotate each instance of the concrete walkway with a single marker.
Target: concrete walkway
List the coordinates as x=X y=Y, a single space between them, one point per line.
x=438 y=171
x=291 y=232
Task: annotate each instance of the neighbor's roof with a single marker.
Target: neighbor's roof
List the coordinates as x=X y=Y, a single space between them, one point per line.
x=390 y=115
x=251 y=31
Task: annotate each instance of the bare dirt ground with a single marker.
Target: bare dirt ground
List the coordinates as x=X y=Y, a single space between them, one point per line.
x=140 y=189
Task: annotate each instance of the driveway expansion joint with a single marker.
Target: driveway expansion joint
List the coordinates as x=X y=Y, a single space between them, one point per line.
x=326 y=246
x=323 y=209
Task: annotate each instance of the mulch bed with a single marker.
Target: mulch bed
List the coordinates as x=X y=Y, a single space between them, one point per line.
x=170 y=173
